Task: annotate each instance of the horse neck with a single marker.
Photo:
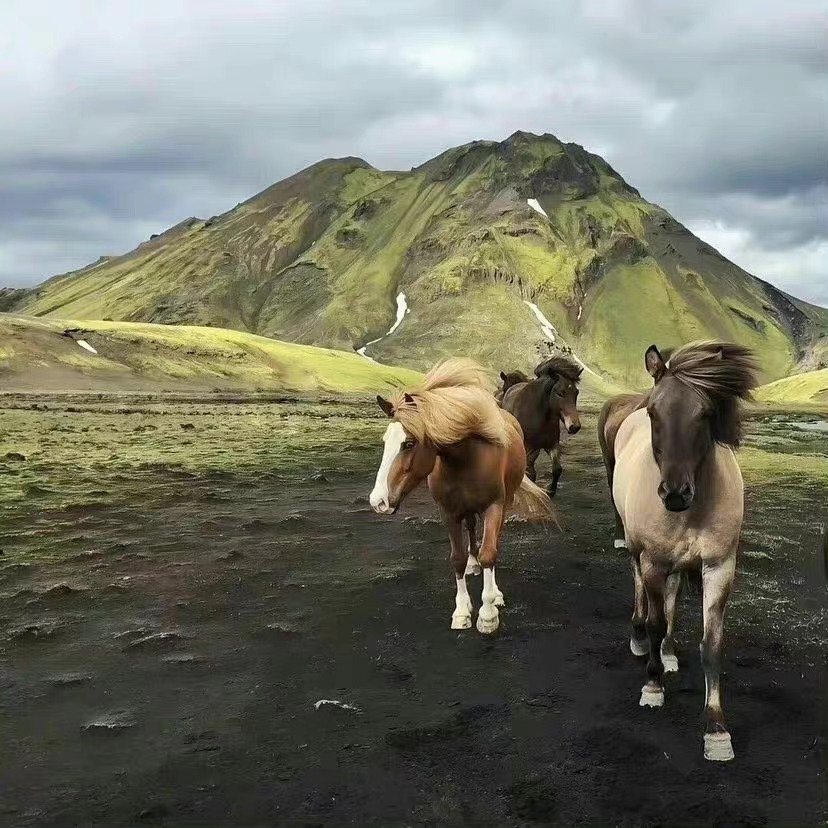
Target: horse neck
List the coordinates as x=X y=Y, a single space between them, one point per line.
x=460 y=454
x=553 y=410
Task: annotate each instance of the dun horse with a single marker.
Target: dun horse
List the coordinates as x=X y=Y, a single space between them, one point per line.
x=451 y=431
x=678 y=495
x=540 y=406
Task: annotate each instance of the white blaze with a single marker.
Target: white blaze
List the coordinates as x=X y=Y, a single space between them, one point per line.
x=393 y=438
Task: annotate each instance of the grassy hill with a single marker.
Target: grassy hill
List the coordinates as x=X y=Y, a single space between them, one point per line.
x=471 y=237
x=45 y=355
x=810 y=388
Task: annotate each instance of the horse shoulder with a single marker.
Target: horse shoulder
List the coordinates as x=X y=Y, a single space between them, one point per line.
x=633 y=463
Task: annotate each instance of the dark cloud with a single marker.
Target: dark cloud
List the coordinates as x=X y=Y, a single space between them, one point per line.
x=121 y=119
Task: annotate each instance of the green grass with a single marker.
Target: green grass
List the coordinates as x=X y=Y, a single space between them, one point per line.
x=198 y=356
x=810 y=388
x=762 y=466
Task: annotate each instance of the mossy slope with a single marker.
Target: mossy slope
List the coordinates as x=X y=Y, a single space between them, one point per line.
x=37 y=354
x=810 y=388
x=319 y=258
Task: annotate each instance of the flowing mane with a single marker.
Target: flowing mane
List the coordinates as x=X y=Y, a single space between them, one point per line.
x=722 y=374
x=453 y=402
x=559 y=365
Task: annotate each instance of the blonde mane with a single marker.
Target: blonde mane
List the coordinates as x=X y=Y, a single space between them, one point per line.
x=453 y=402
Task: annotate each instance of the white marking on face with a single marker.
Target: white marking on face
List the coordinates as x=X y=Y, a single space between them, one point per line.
x=393 y=438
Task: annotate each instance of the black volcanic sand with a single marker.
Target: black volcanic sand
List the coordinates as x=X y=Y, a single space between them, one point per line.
x=168 y=630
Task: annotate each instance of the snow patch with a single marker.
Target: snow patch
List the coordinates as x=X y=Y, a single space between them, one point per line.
x=402 y=310
x=549 y=331
x=335 y=703
x=533 y=203
x=84 y=344
x=546 y=326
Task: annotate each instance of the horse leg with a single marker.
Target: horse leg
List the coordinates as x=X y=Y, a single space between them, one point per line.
x=652 y=693
x=531 y=456
x=555 y=457
x=461 y=617
x=620 y=541
x=499 y=600
x=668 y=646
x=717 y=581
x=472 y=565
x=488 y=617
x=639 y=643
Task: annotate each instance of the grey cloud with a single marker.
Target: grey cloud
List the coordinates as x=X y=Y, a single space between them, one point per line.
x=123 y=119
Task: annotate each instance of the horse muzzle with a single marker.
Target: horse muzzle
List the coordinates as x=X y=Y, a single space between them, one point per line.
x=381 y=506
x=676 y=498
x=572 y=426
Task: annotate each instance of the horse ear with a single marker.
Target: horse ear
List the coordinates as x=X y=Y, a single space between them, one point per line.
x=654 y=363
x=385 y=405
x=503 y=376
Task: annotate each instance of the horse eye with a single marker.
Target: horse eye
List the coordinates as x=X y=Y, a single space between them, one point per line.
x=409 y=443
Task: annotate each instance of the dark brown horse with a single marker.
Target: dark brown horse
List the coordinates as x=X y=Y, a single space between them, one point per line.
x=678 y=496
x=450 y=431
x=540 y=406
x=507 y=381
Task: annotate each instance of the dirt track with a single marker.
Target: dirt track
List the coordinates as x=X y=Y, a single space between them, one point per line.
x=166 y=669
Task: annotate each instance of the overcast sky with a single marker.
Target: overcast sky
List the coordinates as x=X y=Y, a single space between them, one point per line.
x=121 y=118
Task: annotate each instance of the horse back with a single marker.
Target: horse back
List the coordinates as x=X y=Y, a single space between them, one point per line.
x=613 y=413
x=529 y=403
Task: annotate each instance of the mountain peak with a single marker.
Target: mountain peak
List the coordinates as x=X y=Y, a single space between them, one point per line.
x=478 y=239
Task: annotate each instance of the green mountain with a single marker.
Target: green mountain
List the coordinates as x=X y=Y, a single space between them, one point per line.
x=502 y=251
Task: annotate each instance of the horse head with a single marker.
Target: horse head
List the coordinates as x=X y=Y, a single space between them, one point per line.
x=564 y=376
x=693 y=405
x=406 y=462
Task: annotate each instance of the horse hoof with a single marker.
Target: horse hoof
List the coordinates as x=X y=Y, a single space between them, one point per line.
x=487 y=620
x=670 y=663
x=718 y=747
x=651 y=697
x=499 y=600
x=640 y=648
x=619 y=543
x=460 y=622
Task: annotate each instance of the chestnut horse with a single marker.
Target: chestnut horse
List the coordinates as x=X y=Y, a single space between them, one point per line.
x=540 y=406
x=679 y=500
x=451 y=431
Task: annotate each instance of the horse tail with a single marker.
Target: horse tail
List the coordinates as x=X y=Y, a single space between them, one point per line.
x=533 y=503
